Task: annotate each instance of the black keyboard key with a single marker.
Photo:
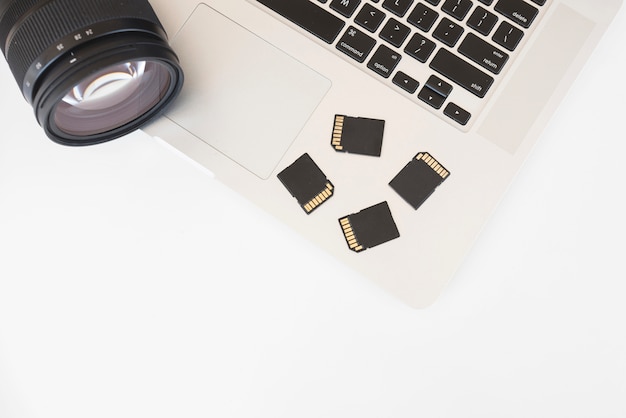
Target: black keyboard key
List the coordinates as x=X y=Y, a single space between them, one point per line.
x=539 y=2
x=508 y=36
x=405 y=82
x=398 y=7
x=518 y=11
x=434 y=2
x=487 y=2
x=483 y=53
x=309 y=17
x=356 y=44
x=482 y=21
x=345 y=7
x=420 y=47
x=394 y=32
x=458 y=114
x=457 y=8
x=438 y=85
x=448 y=32
x=369 y=17
x=384 y=61
x=461 y=72
x=423 y=17
x=431 y=97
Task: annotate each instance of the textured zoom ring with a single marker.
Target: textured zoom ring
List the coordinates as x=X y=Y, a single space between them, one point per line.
x=27 y=36
x=10 y=14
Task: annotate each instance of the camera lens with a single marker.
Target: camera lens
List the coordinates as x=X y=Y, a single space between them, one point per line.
x=93 y=70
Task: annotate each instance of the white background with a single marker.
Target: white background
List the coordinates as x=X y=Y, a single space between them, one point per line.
x=132 y=284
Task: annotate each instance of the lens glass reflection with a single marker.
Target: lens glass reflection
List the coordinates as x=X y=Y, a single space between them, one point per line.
x=112 y=97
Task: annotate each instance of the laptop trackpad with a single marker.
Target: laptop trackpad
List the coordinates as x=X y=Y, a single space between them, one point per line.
x=243 y=96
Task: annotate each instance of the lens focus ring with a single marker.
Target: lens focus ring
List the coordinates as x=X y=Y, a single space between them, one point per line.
x=32 y=31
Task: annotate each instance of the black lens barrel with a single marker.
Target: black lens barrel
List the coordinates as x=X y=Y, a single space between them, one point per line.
x=30 y=27
x=40 y=38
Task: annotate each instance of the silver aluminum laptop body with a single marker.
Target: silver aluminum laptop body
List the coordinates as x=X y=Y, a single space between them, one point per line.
x=261 y=91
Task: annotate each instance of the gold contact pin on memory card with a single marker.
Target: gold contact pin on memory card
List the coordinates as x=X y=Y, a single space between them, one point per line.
x=432 y=163
x=348 y=232
x=337 y=132
x=320 y=198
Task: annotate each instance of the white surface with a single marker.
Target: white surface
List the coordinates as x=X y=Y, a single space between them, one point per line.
x=132 y=284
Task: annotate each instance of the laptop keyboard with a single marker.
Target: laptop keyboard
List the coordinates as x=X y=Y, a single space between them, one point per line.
x=445 y=55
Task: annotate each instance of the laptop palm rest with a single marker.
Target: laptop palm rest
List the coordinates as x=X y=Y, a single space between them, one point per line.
x=242 y=96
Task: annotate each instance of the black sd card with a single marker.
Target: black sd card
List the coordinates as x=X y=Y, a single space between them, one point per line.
x=358 y=135
x=368 y=228
x=307 y=183
x=419 y=179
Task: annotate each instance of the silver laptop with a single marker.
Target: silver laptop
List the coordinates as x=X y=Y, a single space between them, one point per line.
x=386 y=131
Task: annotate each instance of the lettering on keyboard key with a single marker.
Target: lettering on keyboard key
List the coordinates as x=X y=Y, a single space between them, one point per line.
x=438 y=85
x=518 y=11
x=483 y=53
x=423 y=17
x=456 y=113
x=420 y=47
x=384 y=61
x=369 y=17
x=448 y=32
x=394 y=32
x=508 y=36
x=461 y=72
x=398 y=7
x=356 y=44
x=430 y=96
x=482 y=21
x=405 y=82
x=345 y=7
x=457 y=8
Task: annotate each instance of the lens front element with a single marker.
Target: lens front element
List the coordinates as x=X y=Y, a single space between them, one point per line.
x=112 y=97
